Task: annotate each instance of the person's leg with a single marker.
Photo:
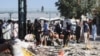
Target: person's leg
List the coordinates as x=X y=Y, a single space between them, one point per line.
x=38 y=38
x=94 y=37
x=87 y=44
x=85 y=37
x=42 y=38
x=77 y=38
x=64 y=39
x=67 y=39
x=82 y=37
x=45 y=38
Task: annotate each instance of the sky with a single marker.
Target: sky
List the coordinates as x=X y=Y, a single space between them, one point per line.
x=6 y=5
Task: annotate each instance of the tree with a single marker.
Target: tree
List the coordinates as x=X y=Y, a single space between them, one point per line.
x=70 y=8
x=97 y=12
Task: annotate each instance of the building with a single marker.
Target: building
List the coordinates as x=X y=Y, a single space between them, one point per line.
x=30 y=15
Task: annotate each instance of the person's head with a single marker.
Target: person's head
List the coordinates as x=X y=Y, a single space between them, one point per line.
x=94 y=21
x=9 y=21
x=66 y=23
x=77 y=23
x=84 y=22
x=28 y=21
x=1 y=22
x=35 y=21
x=45 y=21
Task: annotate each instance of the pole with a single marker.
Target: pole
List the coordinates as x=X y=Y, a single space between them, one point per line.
x=10 y=15
x=22 y=18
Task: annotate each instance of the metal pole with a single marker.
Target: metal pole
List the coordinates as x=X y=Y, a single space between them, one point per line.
x=22 y=18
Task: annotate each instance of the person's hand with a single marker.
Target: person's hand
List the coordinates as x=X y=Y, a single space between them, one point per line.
x=68 y=30
x=39 y=30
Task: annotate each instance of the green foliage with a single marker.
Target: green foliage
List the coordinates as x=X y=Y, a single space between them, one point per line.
x=70 y=8
x=98 y=10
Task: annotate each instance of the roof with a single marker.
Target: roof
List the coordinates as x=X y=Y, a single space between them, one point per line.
x=32 y=15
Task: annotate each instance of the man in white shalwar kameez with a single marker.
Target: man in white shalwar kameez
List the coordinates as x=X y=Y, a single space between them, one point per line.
x=7 y=32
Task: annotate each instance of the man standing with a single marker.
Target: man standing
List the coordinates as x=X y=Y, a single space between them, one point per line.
x=66 y=33
x=86 y=31
x=7 y=31
x=94 y=30
x=77 y=32
x=37 y=31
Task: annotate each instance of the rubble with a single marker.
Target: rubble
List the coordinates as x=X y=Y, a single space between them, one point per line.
x=73 y=49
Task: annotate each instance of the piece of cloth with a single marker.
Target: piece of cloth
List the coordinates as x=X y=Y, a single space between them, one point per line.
x=94 y=32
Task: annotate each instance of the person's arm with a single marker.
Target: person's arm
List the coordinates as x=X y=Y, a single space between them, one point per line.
x=88 y=28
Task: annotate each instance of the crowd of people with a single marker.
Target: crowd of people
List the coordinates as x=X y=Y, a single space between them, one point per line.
x=49 y=34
